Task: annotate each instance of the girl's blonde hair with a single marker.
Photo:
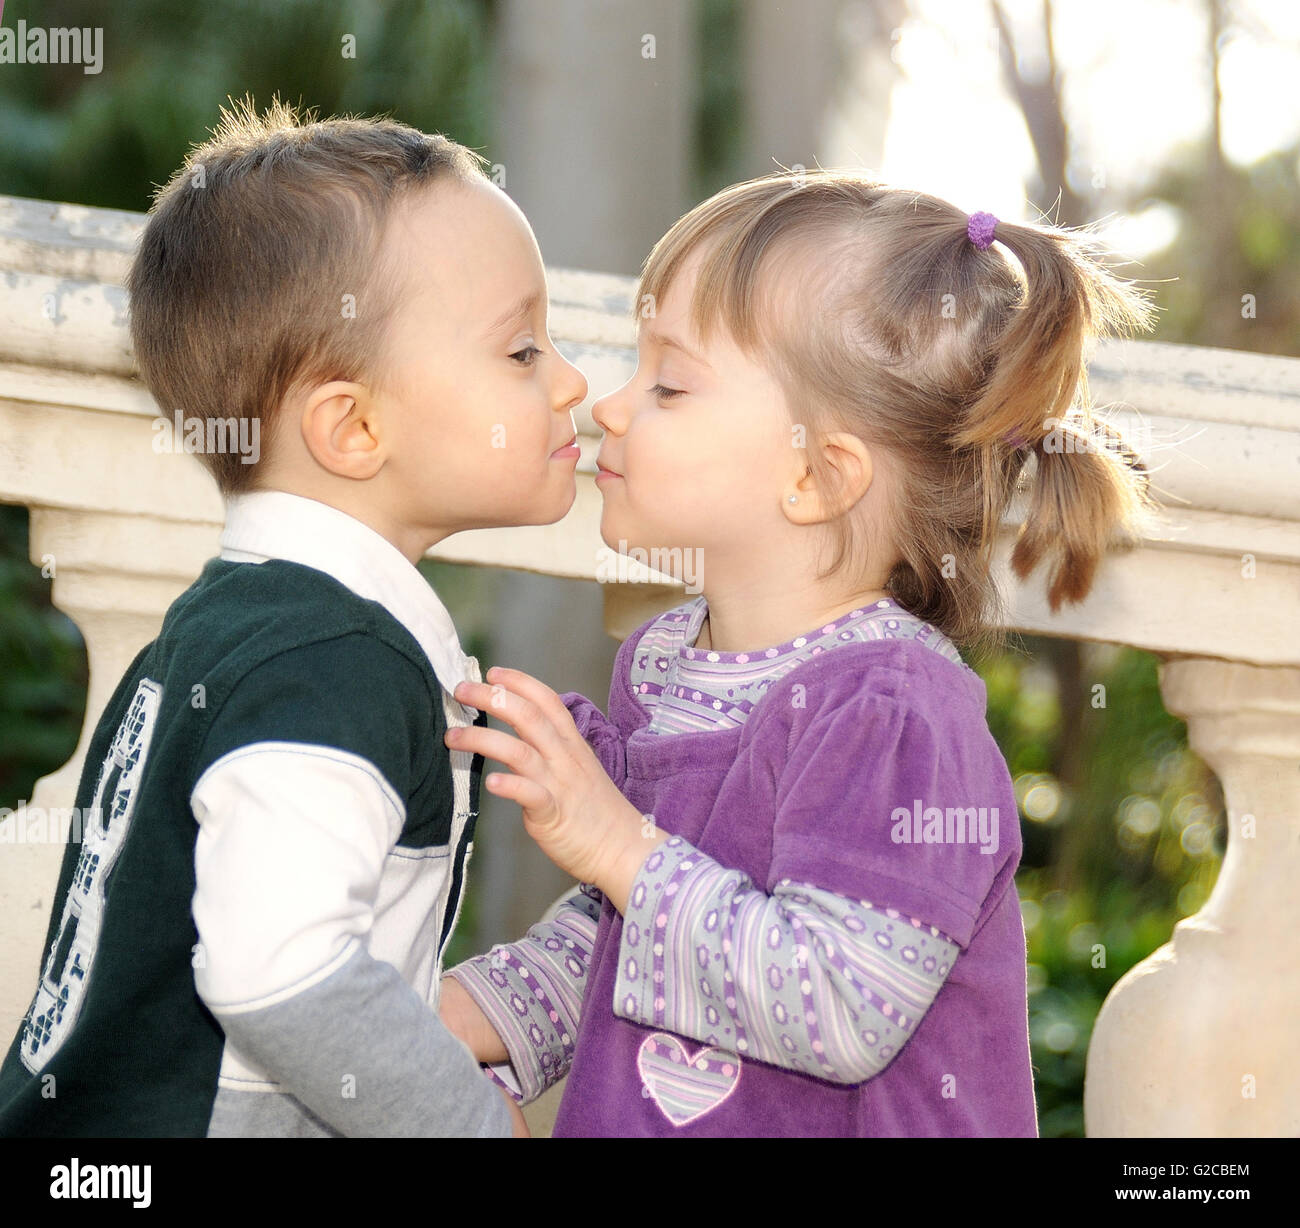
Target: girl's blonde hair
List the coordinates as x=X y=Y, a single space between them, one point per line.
x=878 y=315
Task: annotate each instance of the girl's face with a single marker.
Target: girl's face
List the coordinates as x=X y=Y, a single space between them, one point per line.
x=699 y=443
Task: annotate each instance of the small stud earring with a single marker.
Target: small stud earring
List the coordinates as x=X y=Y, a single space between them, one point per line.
x=794 y=498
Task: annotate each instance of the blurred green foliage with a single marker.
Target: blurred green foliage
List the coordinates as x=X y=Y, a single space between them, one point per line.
x=105 y=139
x=1123 y=825
x=42 y=669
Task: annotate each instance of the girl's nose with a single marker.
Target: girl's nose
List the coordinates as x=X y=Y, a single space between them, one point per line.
x=606 y=412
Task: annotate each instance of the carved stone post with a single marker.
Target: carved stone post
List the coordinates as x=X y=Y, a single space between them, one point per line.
x=1203 y=1037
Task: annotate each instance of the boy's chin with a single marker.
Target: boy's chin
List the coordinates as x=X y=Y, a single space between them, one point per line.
x=550 y=510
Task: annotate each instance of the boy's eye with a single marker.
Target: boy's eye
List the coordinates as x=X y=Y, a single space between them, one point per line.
x=527 y=356
x=665 y=394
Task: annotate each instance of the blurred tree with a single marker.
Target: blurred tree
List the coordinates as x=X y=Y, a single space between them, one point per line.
x=1229 y=276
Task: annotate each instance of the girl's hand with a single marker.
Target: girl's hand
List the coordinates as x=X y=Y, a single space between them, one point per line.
x=571 y=807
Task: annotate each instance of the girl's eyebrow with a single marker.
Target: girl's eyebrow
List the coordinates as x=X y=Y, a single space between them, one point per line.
x=665 y=341
x=515 y=312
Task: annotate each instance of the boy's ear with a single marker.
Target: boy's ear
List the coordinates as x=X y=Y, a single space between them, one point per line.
x=340 y=428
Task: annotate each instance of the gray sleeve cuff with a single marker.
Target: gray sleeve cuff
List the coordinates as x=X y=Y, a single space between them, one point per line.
x=365 y=1054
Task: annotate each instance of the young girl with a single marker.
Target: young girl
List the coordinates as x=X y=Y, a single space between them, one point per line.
x=796 y=836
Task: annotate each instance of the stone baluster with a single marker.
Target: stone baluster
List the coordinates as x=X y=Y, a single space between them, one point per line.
x=1202 y=1038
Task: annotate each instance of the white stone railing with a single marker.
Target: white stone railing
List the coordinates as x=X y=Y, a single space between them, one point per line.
x=1202 y=1038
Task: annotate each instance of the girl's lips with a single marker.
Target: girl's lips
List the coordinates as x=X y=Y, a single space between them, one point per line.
x=568 y=452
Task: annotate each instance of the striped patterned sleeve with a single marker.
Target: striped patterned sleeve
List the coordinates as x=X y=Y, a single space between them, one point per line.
x=804 y=979
x=531 y=992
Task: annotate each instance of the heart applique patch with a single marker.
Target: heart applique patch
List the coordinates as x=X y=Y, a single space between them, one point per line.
x=685 y=1087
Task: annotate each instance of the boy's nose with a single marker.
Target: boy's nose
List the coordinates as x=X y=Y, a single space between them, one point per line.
x=572 y=386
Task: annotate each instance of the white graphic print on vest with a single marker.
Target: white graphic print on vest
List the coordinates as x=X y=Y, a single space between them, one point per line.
x=72 y=953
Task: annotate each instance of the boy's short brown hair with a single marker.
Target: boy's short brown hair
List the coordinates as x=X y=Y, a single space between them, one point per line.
x=259 y=269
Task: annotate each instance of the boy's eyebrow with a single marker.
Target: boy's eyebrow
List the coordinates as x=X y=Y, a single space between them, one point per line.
x=522 y=308
x=665 y=341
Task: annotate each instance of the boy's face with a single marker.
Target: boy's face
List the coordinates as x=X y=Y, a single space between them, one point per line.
x=704 y=469
x=478 y=399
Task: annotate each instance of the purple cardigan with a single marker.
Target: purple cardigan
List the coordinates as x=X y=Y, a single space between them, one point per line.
x=867 y=771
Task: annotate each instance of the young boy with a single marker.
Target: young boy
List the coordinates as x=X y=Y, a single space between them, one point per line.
x=248 y=939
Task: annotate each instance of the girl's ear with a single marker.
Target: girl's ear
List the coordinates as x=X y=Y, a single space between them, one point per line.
x=341 y=431
x=851 y=469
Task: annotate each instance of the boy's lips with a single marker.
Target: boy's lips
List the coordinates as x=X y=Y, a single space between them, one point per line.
x=603 y=471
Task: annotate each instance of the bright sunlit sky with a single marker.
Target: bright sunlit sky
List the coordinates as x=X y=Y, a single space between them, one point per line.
x=1136 y=85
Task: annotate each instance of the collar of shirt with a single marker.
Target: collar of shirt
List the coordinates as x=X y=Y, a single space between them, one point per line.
x=273 y=524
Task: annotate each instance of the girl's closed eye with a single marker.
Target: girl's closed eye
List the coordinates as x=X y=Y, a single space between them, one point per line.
x=665 y=394
x=527 y=356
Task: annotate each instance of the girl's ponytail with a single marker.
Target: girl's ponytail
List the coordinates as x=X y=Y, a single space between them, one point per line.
x=1088 y=489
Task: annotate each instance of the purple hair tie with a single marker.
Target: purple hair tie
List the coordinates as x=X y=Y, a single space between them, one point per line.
x=980 y=228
